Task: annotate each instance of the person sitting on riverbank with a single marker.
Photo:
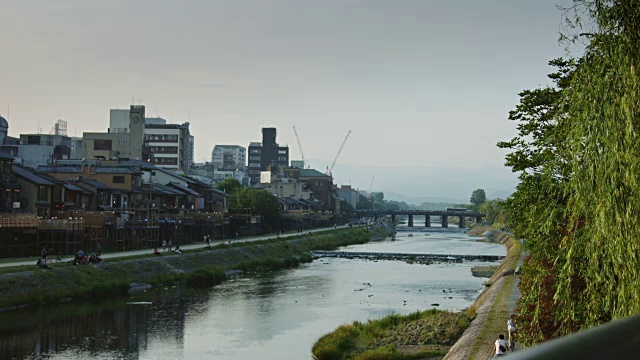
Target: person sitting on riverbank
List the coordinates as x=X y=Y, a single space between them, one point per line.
x=80 y=258
x=500 y=346
x=95 y=258
x=156 y=252
x=177 y=249
x=42 y=264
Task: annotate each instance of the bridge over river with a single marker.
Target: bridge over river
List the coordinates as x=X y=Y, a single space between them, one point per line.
x=384 y=255
x=443 y=214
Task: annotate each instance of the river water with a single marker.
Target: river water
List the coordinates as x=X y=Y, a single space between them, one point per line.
x=256 y=316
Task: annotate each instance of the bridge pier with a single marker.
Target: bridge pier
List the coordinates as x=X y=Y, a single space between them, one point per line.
x=445 y=221
x=461 y=222
x=393 y=219
x=410 y=220
x=427 y=221
x=479 y=219
x=375 y=217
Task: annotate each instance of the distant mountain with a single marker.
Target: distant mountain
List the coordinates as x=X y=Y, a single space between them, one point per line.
x=417 y=184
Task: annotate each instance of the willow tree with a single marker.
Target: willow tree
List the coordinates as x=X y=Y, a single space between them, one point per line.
x=537 y=209
x=578 y=203
x=601 y=245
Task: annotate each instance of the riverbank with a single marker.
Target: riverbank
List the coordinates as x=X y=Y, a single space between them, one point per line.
x=431 y=334
x=200 y=267
x=490 y=307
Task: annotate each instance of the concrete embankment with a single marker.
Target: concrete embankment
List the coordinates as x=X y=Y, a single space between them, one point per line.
x=491 y=306
x=65 y=282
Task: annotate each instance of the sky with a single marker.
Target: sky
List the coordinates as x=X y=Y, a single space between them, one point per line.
x=420 y=83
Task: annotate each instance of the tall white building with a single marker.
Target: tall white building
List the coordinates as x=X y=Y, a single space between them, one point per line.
x=169 y=145
x=232 y=157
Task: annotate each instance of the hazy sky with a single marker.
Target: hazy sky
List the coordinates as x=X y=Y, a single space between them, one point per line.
x=419 y=82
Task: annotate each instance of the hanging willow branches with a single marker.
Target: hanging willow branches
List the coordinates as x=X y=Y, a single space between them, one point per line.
x=578 y=203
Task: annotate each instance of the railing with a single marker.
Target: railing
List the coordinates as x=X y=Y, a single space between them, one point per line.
x=9 y=220
x=618 y=339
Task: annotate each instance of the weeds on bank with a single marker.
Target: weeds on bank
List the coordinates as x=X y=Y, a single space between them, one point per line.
x=380 y=339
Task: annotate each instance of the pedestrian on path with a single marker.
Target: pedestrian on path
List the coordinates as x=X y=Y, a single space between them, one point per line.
x=512 y=329
x=164 y=245
x=500 y=346
x=207 y=239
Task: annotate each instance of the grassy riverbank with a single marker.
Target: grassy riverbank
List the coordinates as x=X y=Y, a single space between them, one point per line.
x=202 y=267
x=430 y=334
x=491 y=305
x=496 y=319
x=419 y=335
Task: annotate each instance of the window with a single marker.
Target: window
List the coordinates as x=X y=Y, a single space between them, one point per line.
x=99 y=144
x=118 y=179
x=43 y=193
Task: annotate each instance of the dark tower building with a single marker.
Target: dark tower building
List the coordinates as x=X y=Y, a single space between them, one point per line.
x=266 y=155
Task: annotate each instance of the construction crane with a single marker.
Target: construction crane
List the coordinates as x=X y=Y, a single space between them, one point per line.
x=371 y=186
x=304 y=160
x=330 y=168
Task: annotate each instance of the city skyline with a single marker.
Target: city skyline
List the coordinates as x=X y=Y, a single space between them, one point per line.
x=419 y=83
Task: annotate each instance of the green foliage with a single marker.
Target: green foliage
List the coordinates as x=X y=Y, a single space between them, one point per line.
x=578 y=201
x=260 y=202
x=378 y=339
x=346 y=208
x=229 y=185
x=478 y=196
x=205 y=278
x=376 y=201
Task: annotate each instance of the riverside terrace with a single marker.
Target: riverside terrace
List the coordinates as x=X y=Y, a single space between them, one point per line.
x=443 y=214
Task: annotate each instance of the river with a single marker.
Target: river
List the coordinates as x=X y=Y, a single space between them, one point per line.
x=278 y=315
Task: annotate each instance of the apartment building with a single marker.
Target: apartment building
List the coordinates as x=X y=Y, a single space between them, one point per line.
x=229 y=157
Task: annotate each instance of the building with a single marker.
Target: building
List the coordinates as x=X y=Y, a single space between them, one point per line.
x=31 y=150
x=29 y=155
x=229 y=157
x=61 y=144
x=299 y=164
x=36 y=191
x=170 y=145
x=348 y=194
x=192 y=151
x=4 y=129
x=76 y=148
x=202 y=169
x=288 y=188
x=9 y=188
x=119 y=143
x=320 y=185
x=119 y=120
x=267 y=155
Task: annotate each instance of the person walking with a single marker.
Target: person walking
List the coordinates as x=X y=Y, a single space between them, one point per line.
x=207 y=239
x=164 y=245
x=512 y=329
x=500 y=346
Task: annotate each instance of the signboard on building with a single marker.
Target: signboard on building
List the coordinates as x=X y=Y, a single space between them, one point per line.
x=265 y=177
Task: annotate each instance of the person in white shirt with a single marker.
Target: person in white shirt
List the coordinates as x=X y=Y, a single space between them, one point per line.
x=501 y=346
x=511 y=328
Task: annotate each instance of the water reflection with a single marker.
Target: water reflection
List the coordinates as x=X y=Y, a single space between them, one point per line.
x=276 y=315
